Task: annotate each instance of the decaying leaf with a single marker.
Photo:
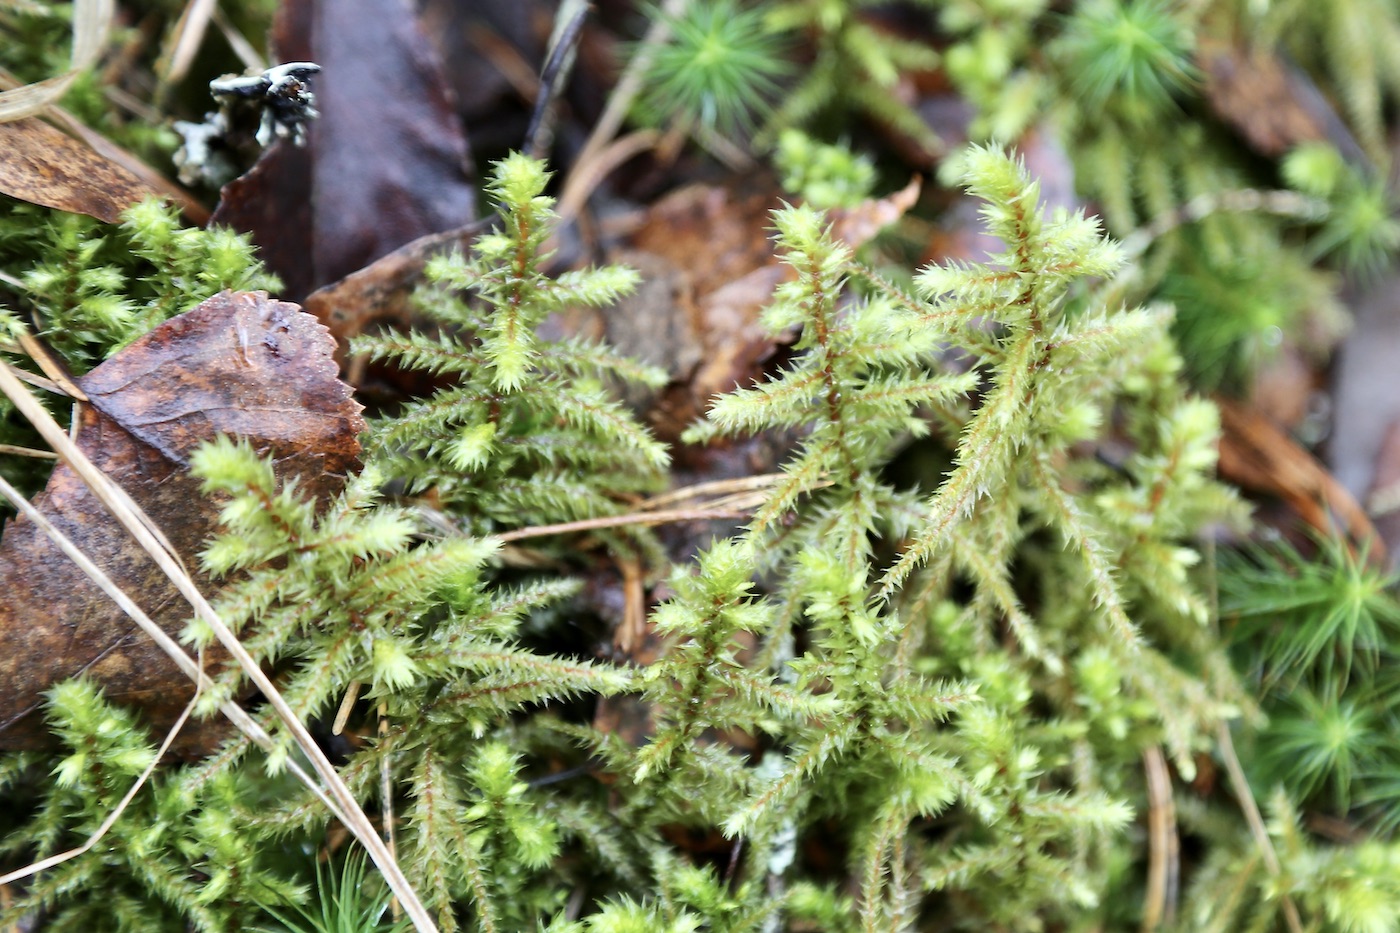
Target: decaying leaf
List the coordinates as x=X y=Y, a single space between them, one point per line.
x=707 y=266
x=708 y=269
x=237 y=364
x=44 y=166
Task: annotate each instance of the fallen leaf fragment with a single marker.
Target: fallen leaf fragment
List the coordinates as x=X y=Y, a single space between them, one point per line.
x=44 y=166
x=708 y=269
x=239 y=363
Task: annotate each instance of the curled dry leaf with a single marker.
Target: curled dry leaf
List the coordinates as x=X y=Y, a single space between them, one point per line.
x=44 y=166
x=239 y=363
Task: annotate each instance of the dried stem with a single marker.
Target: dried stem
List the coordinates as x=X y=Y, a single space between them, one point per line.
x=36 y=867
x=1257 y=829
x=1164 y=859
x=125 y=511
x=617 y=521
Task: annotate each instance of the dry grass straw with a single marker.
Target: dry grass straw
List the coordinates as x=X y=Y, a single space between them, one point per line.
x=91 y=20
x=333 y=790
x=602 y=152
x=184 y=40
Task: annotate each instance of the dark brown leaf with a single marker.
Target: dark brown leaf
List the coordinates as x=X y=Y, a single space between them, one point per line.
x=44 y=166
x=707 y=255
x=237 y=364
x=387 y=160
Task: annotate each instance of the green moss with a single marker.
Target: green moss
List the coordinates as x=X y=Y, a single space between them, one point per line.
x=916 y=691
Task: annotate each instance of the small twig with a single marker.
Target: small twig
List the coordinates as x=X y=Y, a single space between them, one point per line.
x=1252 y=816
x=386 y=802
x=725 y=151
x=745 y=494
x=27 y=452
x=561 y=61
x=507 y=60
x=1289 y=204
x=1164 y=854
x=129 y=515
x=619 y=102
x=249 y=56
x=665 y=517
x=185 y=40
x=347 y=705
x=725 y=487
x=50 y=366
x=38 y=382
x=631 y=631
x=586 y=176
x=36 y=867
x=576 y=901
x=133 y=105
x=748 y=501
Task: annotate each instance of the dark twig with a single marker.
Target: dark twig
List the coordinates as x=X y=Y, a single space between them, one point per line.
x=539 y=135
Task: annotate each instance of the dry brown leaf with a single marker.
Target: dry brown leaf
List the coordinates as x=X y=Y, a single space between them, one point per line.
x=707 y=252
x=44 y=166
x=196 y=212
x=237 y=364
